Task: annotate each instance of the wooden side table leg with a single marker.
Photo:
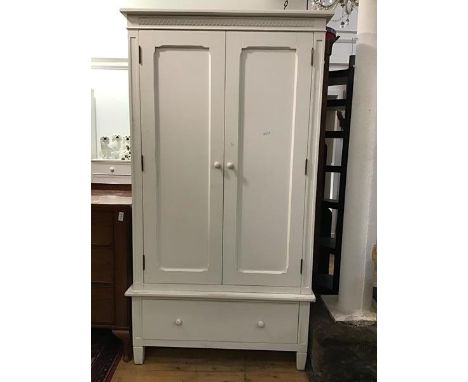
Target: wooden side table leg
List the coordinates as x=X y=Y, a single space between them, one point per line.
x=124 y=336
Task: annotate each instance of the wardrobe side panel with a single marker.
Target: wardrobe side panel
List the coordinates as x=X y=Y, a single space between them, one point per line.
x=137 y=180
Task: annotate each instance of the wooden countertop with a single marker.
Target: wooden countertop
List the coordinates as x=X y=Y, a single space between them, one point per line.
x=120 y=197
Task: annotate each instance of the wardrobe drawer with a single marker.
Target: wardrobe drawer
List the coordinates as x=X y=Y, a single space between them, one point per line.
x=102 y=304
x=102 y=264
x=102 y=227
x=225 y=321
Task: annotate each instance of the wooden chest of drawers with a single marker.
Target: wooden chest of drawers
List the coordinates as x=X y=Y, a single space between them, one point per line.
x=111 y=270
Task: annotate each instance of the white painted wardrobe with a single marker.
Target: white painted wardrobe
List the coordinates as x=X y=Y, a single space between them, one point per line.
x=225 y=115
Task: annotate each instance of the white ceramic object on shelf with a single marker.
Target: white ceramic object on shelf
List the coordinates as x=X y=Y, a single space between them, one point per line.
x=116 y=146
x=106 y=150
x=126 y=150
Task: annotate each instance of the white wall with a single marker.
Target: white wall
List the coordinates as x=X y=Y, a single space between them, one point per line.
x=109 y=33
x=216 y=4
x=346 y=44
x=109 y=25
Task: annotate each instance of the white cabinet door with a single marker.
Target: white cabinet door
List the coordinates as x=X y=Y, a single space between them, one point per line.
x=268 y=83
x=182 y=119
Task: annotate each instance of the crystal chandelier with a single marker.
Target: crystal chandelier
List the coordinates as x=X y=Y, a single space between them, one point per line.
x=346 y=5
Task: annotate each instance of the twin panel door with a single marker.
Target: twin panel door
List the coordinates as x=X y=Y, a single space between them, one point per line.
x=224 y=119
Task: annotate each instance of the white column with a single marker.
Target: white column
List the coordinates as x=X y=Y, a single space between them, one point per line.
x=354 y=301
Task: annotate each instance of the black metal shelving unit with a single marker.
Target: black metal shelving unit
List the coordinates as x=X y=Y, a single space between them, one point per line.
x=326 y=278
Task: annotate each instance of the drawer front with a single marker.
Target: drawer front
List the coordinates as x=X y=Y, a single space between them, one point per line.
x=102 y=265
x=112 y=169
x=102 y=227
x=225 y=321
x=102 y=304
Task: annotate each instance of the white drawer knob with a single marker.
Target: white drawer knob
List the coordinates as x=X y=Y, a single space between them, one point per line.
x=230 y=165
x=111 y=169
x=178 y=322
x=217 y=164
x=260 y=324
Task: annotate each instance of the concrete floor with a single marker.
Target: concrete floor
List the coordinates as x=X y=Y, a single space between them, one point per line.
x=341 y=352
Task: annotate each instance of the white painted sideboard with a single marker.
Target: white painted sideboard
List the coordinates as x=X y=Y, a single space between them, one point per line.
x=225 y=115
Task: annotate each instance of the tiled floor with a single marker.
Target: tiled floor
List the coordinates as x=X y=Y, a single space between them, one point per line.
x=210 y=365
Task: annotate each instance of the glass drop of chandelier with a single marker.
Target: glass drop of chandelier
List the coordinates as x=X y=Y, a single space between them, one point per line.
x=347 y=7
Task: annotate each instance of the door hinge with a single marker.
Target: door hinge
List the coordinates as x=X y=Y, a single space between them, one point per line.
x=139 y=54
x=142 y=166
x=301 y=265
x=312 y=58
x=144 y=262
x=306 y=165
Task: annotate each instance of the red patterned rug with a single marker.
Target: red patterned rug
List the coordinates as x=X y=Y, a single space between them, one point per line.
x=106 y=352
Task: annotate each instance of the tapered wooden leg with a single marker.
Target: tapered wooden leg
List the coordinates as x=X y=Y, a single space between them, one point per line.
x=124 y=336
x=138 y=355
x=301 y=360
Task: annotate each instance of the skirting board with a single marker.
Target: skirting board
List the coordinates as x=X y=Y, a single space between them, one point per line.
x=331 y=302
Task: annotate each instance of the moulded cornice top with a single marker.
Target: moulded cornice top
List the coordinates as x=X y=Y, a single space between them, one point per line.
x=327 y=14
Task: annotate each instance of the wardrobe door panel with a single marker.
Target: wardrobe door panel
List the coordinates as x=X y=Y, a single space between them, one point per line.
x=268 y=79
x=182 y=111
